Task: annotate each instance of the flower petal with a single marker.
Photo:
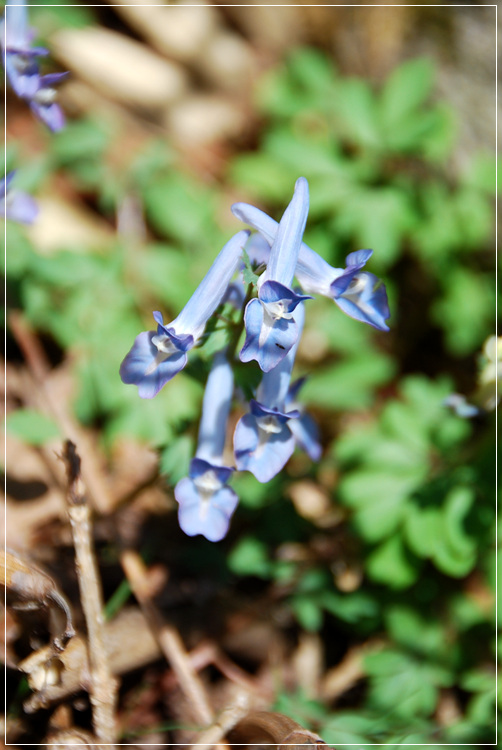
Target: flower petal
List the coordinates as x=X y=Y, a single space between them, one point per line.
x=50 y=114
x=143 y=367
x=21 y=207
x=263 y=454
x=313 y=272
x=267 y=341
x=201 y=515
x=199 y=467
x=306 y=434
x=365 y=299
x=23 y=75
x=16 y=25
x=288 y=239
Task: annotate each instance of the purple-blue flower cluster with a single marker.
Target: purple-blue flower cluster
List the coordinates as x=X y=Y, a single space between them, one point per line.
x=22 y=68
x=15 y=204
x=274 y=421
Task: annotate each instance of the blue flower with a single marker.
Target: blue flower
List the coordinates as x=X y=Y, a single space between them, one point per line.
x=461 y=407
x=206 y=503
x=263 y=439
x=360 y=294
x=43 y=103
x=271 y=330
x=157 y=356
x=22 y=68
x=16 y=205
x=304 y=429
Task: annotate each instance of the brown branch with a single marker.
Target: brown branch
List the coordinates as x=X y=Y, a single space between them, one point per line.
x=228 y=718
x=39 y=368
x=103 y=689
x=167 y=637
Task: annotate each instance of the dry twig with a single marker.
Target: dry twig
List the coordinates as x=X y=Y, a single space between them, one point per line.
x=228 y=718
x=103 y=690
x=167 y=637
x=39 y=369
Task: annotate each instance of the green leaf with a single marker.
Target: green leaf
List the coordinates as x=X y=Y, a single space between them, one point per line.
x=404 y=91
x=179 y=208
x=381 y=518
x=403 y=685
x=372 y=487
x=355 y=607
x=250 y=557
x=465 y=311
x=84 y=140
x=175 y=458
x=355 y=113
x=408 y=628
x=377 y=218
x=32 y=426
x=262 y=177
x=248 y=274
x=392 y=565
x=350 y=384
x=307 y=612
x=423 y=530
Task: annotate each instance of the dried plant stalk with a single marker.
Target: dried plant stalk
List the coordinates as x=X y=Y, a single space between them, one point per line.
x=228 y=718
x=103 y=689
x=167 y=637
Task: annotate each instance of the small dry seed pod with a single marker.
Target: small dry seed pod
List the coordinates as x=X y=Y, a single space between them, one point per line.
x=267 y=727
x=27 y=587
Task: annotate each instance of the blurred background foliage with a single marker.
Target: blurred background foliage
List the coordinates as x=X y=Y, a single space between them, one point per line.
x=387 y=546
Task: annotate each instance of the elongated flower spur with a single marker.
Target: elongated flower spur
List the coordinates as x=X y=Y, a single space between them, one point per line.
x=271 y=330
x=157 y=356
x=206 y=503
x=360 y=294
x=21 y=66
x=16 y=205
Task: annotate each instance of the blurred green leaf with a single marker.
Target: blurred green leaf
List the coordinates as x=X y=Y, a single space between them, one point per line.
x=32 y=426
x=179 y=208
x=404 y=91
x=465 y=311
x=175 y=458
x=391 y=564
x=250 y=557
x=349 y=384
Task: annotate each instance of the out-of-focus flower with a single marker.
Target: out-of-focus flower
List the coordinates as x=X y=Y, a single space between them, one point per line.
x=486 y=397
x=263 y=440
x=360 y=294
x=44 y=105
x=271 y=330
x=18 y=54
x=21 y=66
x=206 y=503
x=490 y=374
x=16 y=205
x=157 y=356
x=459 y=404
